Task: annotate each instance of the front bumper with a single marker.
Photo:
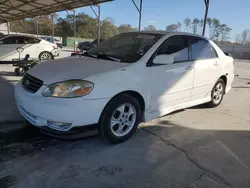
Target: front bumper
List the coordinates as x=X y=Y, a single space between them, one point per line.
x=39 y=110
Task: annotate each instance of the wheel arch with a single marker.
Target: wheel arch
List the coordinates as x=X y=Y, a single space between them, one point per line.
x=133 y=94
x=224 y=78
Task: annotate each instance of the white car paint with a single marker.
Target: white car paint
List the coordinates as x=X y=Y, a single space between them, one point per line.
x=163 y=88
x=8 y=52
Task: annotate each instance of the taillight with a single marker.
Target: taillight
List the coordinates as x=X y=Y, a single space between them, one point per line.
x=54 y=46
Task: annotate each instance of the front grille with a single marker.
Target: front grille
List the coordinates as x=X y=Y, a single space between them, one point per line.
x=31 y=84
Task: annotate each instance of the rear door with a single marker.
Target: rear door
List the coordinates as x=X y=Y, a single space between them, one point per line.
x=31 y=47
x=207 y=67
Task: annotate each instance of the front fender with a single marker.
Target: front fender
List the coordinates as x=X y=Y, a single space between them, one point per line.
x=111 y=83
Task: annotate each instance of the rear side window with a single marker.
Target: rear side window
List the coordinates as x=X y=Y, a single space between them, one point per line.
x=29 y=40
x=201 y=49
x=176 y=46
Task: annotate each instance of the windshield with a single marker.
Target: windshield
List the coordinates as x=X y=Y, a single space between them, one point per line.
x=126 y=47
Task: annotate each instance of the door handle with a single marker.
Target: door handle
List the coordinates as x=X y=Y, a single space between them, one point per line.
x=216 y=63
x=189 y=68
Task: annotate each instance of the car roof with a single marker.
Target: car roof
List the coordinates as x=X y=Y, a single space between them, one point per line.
x=14 y=35
x=163 y=33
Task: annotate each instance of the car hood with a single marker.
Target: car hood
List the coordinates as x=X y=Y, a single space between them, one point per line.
x=72 y=68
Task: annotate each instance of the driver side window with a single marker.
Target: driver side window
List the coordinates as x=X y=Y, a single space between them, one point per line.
x=176 y=46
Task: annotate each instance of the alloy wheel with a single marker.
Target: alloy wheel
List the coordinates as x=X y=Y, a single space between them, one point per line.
x=218 y=93
x=123 y=120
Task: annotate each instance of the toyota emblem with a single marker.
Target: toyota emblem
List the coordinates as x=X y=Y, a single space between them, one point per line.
x=27 y=82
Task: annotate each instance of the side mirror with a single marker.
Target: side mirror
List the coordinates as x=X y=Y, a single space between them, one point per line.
x=164 y=59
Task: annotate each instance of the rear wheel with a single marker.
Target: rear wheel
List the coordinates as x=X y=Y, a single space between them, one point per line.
x=45 y=56
x=120 y=119
x=217 y=93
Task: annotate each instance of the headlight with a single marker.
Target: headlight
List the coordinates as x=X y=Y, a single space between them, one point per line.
x=68 y=89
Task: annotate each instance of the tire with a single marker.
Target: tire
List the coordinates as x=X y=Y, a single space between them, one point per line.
x=123 y=125
x=17 y=71
x=217 y=94
x=43 y=56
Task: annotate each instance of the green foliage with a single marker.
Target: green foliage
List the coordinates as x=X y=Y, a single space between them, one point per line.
x=187 y=24
x=150 y=28
x=125 y=28
x=172 y=27
x=217 y=32
x=195 y=23
x=86 y=26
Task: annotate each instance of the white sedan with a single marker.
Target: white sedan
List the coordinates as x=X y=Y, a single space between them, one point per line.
x=37 y=48
x=129 y=78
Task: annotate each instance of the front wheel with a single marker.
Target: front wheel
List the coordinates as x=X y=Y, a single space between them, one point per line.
x=120 y=119
x=217 y=93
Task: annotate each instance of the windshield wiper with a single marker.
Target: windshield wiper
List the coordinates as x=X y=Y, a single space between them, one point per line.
x=106 y=56
x=89 y=55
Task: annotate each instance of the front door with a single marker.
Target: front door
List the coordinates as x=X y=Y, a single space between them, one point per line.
x=207 y=67
x=171 y=84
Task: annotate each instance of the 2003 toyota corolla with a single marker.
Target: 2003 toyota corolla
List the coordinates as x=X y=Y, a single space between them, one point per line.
x=129 y=78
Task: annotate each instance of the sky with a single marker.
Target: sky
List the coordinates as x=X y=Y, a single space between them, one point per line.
x=160 y=13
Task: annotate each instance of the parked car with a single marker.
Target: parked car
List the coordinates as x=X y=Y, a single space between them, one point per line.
x=86 y=45
x=53 y=40
x=129 y=78
x=35 y=47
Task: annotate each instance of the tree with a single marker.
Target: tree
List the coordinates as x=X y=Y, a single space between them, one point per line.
x=195 y=23
x=179 y=26
x=150 y=28
x=187 y=23
x=215 y=29
x=63 y=28
x=224 y=31
x=108 y=29
x=243 y=37
x=172 y=27
x=209 y=22
x=125 y=28
x=86 y=26
x=201 y=24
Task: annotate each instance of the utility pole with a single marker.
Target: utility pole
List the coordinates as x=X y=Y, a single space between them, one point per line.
x=205 y=17
x=8 y=27
x=74 y=20
x=25 y=29
x=37 y=19
x=98 y=16
x=139 y=9
x=53 y=28
x=140 y=15
x=99 y=23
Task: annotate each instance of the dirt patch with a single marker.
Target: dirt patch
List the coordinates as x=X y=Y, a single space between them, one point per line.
x=22 y=141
